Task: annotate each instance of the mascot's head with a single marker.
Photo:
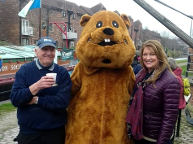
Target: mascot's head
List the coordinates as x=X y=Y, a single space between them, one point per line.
x=105 y=41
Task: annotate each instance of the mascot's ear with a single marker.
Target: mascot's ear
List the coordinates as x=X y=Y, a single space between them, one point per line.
x=84 y=19
x=126 y=20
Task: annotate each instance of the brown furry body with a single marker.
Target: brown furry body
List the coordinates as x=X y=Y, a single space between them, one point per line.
x=102 y=83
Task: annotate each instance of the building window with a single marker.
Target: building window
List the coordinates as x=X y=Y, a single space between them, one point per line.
x=25 y=25
x=43 y=25
x=51 y=27
x=64 y=13
x=56 y=43
x=74 y=16
x=35 y=41
x=25 y=41
x=79 y=14
x=71 y=45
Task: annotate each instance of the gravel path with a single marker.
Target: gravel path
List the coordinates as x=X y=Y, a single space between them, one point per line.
x=8 y=127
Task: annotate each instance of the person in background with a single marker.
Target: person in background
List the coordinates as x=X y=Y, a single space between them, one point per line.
x=178 y=72
x=41 y=105
x=160 y=95
x=136 y=63
x=182 y=103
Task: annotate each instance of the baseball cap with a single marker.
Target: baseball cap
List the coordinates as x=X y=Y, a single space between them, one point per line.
x=46 y=41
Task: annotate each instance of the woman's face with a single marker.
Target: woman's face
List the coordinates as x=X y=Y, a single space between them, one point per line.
x=150 y=59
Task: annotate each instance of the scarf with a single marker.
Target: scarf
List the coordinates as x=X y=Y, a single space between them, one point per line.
x=135 y=112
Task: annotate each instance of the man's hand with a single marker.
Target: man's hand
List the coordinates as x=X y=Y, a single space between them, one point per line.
x=34 y=100
x=44 y=82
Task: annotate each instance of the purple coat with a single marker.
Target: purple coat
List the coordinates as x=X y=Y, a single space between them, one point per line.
x=160 y=106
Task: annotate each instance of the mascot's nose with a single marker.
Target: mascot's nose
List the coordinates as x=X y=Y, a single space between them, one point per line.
x=108 y=31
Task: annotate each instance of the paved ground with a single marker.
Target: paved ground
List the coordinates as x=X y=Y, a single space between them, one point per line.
x=186 y=132
x=9 y=129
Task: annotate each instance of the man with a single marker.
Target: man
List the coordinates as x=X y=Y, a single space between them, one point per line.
x=41 y=107
x=136 y=63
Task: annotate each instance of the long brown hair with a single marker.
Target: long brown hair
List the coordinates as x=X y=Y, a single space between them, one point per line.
x=161 y=55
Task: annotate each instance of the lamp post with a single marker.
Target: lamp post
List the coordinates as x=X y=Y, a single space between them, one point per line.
x=69 y=14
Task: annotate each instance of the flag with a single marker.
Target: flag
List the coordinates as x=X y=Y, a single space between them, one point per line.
x=36 y=4
x=31 y=5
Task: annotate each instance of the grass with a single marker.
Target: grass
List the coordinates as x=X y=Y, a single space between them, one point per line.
x=3 y=43
x=181 y=61
x=184 y=68
x=7 y=107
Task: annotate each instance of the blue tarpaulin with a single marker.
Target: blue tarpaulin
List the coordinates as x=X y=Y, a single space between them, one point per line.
x=0 y=63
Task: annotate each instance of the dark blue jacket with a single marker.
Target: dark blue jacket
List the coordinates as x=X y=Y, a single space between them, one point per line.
x=50 y=112
x=137 y=68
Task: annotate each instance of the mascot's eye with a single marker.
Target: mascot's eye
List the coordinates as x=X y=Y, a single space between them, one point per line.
x=99 y=24
x=115 y=24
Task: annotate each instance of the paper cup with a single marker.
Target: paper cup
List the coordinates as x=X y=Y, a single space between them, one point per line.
x=53 y=75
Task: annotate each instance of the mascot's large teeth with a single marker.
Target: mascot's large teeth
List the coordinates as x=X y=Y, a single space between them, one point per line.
x=107 y=40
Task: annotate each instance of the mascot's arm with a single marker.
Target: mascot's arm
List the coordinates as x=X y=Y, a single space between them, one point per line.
x=131 y=80
x=76 y=81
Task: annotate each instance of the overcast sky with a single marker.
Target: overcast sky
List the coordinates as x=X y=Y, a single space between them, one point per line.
x=132 y=9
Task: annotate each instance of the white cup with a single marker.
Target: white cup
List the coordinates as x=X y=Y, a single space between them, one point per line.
x=53 y=75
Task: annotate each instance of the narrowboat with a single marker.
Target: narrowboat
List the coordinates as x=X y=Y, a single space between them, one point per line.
x=13 y=57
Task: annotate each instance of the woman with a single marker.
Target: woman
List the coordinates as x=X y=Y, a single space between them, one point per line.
x=159 y=96
x=182 y=103
x=178 y=72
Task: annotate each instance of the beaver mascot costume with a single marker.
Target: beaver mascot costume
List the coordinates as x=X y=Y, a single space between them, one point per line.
x=103 y=81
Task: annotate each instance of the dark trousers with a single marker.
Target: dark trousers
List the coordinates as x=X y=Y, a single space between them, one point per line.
x=55 y=136
x=148 y=142
x=144 y=142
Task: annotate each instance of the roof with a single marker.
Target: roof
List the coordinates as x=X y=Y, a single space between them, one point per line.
x=98 y=7
x=86 y=10
x=15 y=52
x=67 y=5
x=64 y=5
x=11 y=52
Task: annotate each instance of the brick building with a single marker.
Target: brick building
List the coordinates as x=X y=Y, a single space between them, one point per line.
x=136 y=33
x=54 y=15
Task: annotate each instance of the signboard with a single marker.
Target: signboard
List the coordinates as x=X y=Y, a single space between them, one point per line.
x=9 y=68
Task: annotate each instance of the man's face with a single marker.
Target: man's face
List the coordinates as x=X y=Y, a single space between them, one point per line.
x=45 y=55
